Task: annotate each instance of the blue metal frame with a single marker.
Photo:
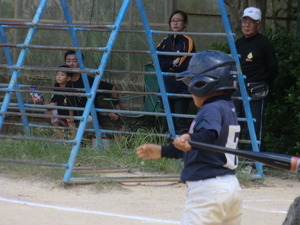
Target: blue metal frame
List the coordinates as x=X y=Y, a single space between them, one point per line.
x=19 y=96
x=91 y=91
x=242 y=86
x=89 y=104
x=15 y=73
x=159 y=75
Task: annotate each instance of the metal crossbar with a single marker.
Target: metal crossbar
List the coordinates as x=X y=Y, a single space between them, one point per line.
x=14 y=88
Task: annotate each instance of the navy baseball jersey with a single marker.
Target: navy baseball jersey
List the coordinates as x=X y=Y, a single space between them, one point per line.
x=216 y=123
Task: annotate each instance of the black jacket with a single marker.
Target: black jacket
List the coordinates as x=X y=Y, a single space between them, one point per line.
x=181 y=43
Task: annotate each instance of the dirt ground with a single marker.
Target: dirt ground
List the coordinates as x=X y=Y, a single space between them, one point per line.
x=31 y=202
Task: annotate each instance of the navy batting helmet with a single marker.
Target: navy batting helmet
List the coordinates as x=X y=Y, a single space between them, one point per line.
x=209 y=71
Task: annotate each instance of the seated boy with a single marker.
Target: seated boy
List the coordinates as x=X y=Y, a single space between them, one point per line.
x=63 y=80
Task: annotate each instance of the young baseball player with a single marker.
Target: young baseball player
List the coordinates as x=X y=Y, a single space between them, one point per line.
x=214 y=194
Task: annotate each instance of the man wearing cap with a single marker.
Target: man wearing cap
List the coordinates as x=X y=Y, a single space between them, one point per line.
x=259 y=65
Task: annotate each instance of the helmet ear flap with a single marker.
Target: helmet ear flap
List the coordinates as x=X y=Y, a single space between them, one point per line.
x=200 y=86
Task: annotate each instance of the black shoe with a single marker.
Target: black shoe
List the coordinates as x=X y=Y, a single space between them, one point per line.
x=293 y=214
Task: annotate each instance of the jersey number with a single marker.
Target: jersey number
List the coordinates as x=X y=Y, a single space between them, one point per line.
x=232 y=141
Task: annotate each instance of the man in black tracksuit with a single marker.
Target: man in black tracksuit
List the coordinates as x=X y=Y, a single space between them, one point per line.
x=259 y=65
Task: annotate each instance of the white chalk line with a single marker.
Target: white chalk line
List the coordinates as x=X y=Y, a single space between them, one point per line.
x=265 y=210
x=145 y=219
x=267 y=200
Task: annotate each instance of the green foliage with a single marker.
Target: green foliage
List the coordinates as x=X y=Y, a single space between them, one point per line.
x=282 y=118
x=282 y=124
x=34 y=150
x=220 y=46
x=120 y=154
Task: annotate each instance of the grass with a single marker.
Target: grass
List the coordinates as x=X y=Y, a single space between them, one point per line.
x=120 y=154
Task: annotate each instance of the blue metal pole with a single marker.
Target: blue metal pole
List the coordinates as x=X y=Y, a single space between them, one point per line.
x=91 y=109
x=242 y=86
x=97 y=80
x=19 y=96
x=156 y=66
x=15 y=75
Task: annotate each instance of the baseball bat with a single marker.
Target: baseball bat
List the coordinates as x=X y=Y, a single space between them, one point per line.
x=285 y=162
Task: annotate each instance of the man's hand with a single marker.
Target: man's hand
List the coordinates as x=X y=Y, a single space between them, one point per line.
x=176 y=61
x=182 y=142
x=113 y=116
x=148 y=151
x=38 y=101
